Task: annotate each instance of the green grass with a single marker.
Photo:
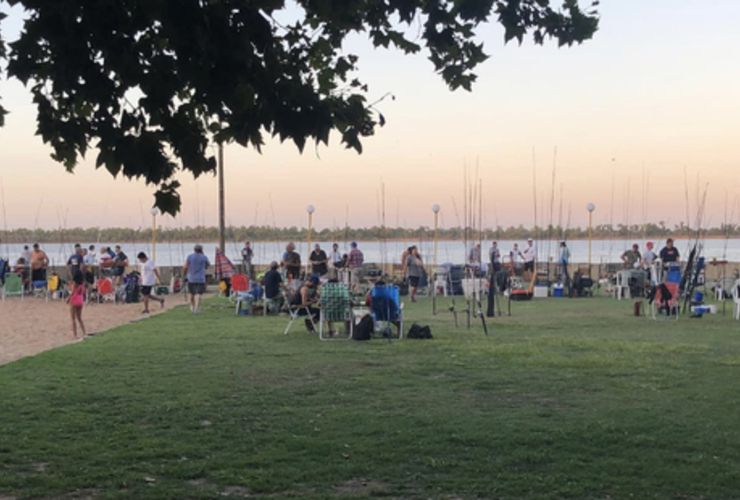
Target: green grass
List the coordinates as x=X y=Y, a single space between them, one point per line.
x=565 y=399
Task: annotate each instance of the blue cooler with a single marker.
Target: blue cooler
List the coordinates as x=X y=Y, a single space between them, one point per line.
x=557 y=291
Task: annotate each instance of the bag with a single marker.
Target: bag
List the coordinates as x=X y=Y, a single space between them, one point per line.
x=76 y=299
x=364 y=329
x=419 y=332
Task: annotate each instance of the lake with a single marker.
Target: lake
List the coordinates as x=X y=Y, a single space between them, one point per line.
x=603 y=251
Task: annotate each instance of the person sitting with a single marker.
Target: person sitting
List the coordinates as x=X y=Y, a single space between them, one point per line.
x=307 y=296
x=273 y=283
x=631 y=258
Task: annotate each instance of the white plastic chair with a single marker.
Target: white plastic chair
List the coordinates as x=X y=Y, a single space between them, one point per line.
x=623 y=285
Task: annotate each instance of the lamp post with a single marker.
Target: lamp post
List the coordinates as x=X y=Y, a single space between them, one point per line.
x=310 y=209
x=590 y=207
x=154 y=211
x=435 y=208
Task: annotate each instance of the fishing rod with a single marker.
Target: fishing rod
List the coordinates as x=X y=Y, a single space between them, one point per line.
x=480 y=242
x=695 y=262
x=5 y=220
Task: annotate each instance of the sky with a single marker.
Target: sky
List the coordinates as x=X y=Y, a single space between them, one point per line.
x=629 y=119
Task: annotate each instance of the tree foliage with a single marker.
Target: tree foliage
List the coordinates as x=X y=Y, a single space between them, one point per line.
x=150 y=84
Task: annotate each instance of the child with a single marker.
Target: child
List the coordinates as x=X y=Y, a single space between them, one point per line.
x=76 y=301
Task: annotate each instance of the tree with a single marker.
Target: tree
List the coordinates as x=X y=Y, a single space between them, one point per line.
x=150 y=82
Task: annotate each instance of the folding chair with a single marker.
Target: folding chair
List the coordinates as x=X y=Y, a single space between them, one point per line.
x=13 y=285
x=295 y=313
x=336 y=307
x=239 y=284
x=668 y=304
x=385 y=306
x=40 y=288
x=106 y=292
x=736 y=299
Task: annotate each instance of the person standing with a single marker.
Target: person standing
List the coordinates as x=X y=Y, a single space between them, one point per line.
x=335 y=257
x=563 y=261
x=529 y=256
x=149 y=278
x=354 y=263
x=318 y=261
x=195 y=269
x=120 y=261
x=669 y=253
x=247 y=256
x=76 y=301
x=26 y=254
x=76 y=263
x=632 y=258
x=474 y=257
x=414 y=266
x=494 y=257
x=292 y=262
x=39 y=263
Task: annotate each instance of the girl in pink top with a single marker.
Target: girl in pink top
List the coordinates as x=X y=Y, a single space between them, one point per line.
x=76 y=301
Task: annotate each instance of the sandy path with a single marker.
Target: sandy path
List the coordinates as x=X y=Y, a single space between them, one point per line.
x=33 y=325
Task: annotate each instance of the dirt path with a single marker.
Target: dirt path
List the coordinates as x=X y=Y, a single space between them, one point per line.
x=33 y=325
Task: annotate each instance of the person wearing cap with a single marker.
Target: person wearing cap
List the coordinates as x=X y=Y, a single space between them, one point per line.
x=529 y=255
x=669 y=253
x=195 y=270
x=39 y=263
x=306 y=298
x=632 y=257
x=648 y=256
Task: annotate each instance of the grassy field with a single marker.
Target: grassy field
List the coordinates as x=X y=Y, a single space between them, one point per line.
x=565 y=399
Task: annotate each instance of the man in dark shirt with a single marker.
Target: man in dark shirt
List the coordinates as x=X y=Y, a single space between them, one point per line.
x=247 y=255
x=319 y=261
x=669 y=252
x=75 y=263
x=273 y=283
x=120 y=261
x=292 y=261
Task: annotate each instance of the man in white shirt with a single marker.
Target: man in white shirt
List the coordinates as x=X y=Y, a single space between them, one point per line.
x=149 y=278
x=529 y=255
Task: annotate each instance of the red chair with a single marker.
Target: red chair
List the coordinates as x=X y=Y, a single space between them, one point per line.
x=666 y=301
x=239 y=283
x=106 y=292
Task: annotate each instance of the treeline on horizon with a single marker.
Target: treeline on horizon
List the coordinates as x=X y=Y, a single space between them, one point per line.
x=376 y=233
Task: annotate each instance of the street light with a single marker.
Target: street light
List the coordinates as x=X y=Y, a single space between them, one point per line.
x=310 y=209
x=590 y=207
x=154 y=211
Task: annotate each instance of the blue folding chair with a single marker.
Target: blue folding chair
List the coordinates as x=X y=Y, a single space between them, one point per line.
x=386 y=307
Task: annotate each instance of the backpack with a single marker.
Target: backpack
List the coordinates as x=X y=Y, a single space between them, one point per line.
x=364 y=329
x=419 y=332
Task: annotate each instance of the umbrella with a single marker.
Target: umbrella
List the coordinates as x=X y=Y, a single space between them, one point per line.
x=223 y=267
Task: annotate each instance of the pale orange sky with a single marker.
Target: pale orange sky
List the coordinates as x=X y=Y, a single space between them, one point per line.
x=657 y=90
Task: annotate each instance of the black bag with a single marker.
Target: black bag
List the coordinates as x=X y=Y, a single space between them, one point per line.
x=364 y=329
x=419 y=332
